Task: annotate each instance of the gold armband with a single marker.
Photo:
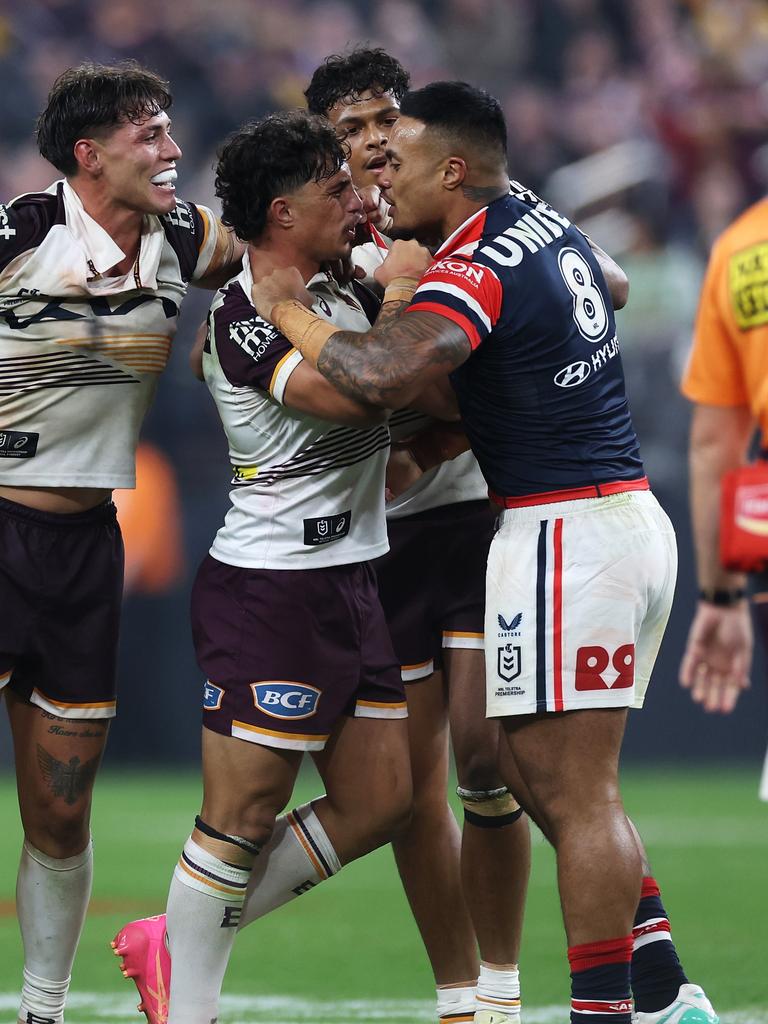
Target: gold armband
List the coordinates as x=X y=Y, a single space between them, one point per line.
x=400 y=289
x=305 y=330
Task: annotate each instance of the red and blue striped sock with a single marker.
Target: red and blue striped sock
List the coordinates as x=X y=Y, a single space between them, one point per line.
x=600 y=991
x=656 y=970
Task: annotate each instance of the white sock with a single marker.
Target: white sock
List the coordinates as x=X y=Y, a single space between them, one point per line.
x=297 y=857
x=499 y=989
x=204 y=906
x=51 y=900
x=456 y=1004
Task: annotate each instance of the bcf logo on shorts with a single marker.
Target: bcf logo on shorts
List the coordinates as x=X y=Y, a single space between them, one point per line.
x=592 y=662
x=285 y=699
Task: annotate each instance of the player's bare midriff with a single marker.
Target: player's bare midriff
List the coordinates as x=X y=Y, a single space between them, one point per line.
x=60 y=500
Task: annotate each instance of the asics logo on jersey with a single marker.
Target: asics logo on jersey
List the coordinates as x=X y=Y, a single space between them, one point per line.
x=573 y=374
x=285 y=700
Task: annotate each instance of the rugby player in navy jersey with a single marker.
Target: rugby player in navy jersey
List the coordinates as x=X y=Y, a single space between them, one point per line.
x=581 y=572
x=92 y=272
x=431 y=584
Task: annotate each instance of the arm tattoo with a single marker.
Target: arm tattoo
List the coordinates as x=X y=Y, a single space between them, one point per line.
x=391 y=311
x=68 y=779
x=391 y=363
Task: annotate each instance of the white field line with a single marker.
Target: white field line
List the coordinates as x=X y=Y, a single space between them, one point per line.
x=106 y=1008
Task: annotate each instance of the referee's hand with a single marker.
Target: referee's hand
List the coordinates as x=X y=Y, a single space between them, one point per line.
x=718 y=656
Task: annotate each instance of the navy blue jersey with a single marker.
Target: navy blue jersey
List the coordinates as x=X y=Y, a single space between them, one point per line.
x=542 y=394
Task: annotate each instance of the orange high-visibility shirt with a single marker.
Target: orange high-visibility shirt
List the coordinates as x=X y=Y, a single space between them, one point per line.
x=728 y=363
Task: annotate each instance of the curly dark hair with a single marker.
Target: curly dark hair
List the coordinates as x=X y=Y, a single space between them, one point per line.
x=347 y=77
x=93 y=98
x=269 y=158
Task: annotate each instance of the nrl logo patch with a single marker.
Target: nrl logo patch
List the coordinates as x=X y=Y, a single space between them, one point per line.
x=509 y=663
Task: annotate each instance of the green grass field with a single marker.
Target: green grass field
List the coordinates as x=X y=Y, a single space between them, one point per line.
x=349 y=951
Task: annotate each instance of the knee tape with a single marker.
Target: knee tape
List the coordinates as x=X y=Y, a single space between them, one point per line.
x=238 y=841
x=489 y=808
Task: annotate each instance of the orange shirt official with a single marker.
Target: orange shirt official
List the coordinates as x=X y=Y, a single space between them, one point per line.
x=728 y=365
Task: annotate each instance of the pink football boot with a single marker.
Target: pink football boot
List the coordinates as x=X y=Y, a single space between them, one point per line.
x=141 y=946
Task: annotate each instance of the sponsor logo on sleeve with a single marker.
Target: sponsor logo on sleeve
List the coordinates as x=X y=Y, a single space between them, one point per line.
x=253 y=336
x=286 y=700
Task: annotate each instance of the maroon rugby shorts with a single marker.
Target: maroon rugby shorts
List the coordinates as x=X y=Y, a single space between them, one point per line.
x=432 y=583
x=287 y=652
x=61 y=584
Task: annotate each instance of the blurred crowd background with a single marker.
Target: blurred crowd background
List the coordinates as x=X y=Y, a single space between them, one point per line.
x=645 y=120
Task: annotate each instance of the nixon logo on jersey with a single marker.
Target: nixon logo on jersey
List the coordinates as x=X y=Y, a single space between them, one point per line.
x=212 y=696
x=591 y=663
x=573 y=374
x=474 y=273
x=253 y=336
x=285 y=699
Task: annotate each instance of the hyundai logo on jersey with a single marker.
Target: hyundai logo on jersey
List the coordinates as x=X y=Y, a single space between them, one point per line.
x=572 y=374
x=285 y=699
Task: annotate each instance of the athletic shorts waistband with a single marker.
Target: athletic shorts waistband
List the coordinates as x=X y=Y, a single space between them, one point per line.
x=578 y=506
x=104 y=512
x=597 y=490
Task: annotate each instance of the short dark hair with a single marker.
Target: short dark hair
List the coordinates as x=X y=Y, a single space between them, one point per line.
x=461 y=111
x=349 y=76
x=272 y=157
x=92 y=98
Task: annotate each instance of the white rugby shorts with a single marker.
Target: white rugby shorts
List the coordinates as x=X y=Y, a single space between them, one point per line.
x=578 y=594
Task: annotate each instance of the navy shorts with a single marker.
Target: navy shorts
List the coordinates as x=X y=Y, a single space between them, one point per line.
x=287 y=652
x=432 y=583
x=61 y=585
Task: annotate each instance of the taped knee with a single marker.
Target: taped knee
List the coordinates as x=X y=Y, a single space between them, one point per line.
x=489 y=808
x=246 y=845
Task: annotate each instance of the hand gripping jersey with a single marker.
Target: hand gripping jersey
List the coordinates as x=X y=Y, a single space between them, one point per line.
x=306 y=493
x=542 y=394
x=80 y=353
x=458 y=479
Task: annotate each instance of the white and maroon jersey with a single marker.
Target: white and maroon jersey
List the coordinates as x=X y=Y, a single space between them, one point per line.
x=457 y=480
x=305 y=493
x=81 y=353
x=542 y=395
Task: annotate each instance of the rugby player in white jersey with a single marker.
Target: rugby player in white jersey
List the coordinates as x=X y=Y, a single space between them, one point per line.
x=92 y=273
x=286 y=619
x=581 y=572
x=431 y=584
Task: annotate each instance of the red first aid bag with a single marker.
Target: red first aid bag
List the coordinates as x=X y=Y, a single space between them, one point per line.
x=744 y=518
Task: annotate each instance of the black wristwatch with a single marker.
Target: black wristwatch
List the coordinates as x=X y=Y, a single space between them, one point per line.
x=722 y=598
